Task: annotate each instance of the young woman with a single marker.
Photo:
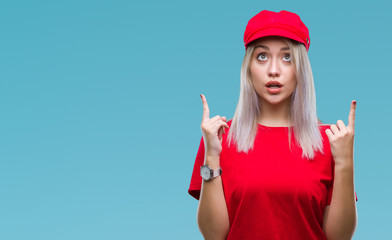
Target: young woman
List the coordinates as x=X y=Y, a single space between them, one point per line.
x=274 y=171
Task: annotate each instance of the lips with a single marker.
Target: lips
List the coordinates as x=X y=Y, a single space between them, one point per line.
x=273 y=87
x=273 y=84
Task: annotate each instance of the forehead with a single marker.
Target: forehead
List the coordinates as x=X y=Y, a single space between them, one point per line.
x=272 y=41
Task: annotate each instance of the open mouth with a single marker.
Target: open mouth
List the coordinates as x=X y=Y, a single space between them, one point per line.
x=273 y=86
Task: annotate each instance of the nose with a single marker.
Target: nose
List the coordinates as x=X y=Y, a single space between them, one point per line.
x=274 y=69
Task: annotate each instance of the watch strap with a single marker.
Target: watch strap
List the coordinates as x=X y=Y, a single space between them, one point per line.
x=216 y=172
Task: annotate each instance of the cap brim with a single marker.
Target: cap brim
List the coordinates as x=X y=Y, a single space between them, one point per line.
x=275 y=32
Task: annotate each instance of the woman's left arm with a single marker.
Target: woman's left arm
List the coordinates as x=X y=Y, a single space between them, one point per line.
x=340 y=217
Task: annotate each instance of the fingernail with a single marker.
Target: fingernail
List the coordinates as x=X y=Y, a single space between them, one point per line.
x=355 y=102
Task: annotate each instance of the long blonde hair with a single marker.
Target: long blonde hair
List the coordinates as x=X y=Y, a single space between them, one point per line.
x=303 y=114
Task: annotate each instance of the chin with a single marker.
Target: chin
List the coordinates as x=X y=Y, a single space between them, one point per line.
x=275 y=101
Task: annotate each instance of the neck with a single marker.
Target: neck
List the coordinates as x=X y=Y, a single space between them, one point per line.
x=275 y=114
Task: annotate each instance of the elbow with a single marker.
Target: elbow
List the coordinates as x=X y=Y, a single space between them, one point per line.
x=338 y=229
x=213 y=229
x=213 y=234
x=339 y=238
x=344 y=234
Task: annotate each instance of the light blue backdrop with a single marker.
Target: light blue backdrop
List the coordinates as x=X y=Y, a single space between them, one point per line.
x=100 y=108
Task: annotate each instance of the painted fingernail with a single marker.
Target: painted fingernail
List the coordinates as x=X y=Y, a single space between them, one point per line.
x=355 y=102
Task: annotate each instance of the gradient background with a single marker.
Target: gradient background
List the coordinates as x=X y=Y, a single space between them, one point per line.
x=100 y=108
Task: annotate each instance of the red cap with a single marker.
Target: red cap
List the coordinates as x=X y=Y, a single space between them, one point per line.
x=283 y=23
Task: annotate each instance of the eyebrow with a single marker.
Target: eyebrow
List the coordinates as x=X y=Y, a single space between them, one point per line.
x=265 y=47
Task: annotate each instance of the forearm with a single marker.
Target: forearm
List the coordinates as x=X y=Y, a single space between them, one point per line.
x=212 y=215
x=342 y=217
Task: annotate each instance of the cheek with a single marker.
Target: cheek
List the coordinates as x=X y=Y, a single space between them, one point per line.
x=257 y=74
x=293 y=85
x=257 y=82
x=293 y=78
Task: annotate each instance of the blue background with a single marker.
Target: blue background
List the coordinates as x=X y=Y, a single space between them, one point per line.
x=100 y=108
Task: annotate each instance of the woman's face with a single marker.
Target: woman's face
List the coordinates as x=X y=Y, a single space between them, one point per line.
x=272 y=71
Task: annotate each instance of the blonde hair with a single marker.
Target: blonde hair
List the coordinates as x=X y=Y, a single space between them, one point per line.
x=303 y=114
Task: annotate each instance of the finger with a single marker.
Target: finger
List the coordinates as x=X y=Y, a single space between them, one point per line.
x=206 y=110
x=341 y=125
x=225 y=124
x=210 y=123
x=214 y=119
x=217 y=126
x=220 y=132
x=329 y=133
x=351 y=116
x=334 y=129
x=223 y=127
x=217 y=118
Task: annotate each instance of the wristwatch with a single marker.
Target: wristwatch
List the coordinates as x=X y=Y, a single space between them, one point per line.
x=207 y=173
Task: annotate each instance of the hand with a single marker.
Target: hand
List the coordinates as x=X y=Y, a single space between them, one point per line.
x=341 y=139
x=212 y=130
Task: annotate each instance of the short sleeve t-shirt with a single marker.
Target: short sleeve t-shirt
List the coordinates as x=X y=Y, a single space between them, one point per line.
x=272 y=192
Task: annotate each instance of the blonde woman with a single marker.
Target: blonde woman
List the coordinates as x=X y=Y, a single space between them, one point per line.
x=274 y=171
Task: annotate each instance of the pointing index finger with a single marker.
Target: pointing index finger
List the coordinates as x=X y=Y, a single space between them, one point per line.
x=351 y=116
x=206 y=110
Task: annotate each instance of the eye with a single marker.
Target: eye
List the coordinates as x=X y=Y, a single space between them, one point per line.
x=262 y=56
x=287 y=57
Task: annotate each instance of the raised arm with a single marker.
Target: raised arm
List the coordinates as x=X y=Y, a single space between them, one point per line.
x=340 y=218
x=212 y=215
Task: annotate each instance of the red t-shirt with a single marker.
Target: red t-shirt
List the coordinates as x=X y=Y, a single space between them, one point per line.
x=272 y=193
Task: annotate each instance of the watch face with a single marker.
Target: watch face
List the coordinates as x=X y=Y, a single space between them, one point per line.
x=205 y=172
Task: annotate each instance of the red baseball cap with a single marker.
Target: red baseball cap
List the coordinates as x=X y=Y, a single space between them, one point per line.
x=283 y=23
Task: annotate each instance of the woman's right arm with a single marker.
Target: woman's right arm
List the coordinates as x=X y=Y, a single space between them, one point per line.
x=212 y=214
